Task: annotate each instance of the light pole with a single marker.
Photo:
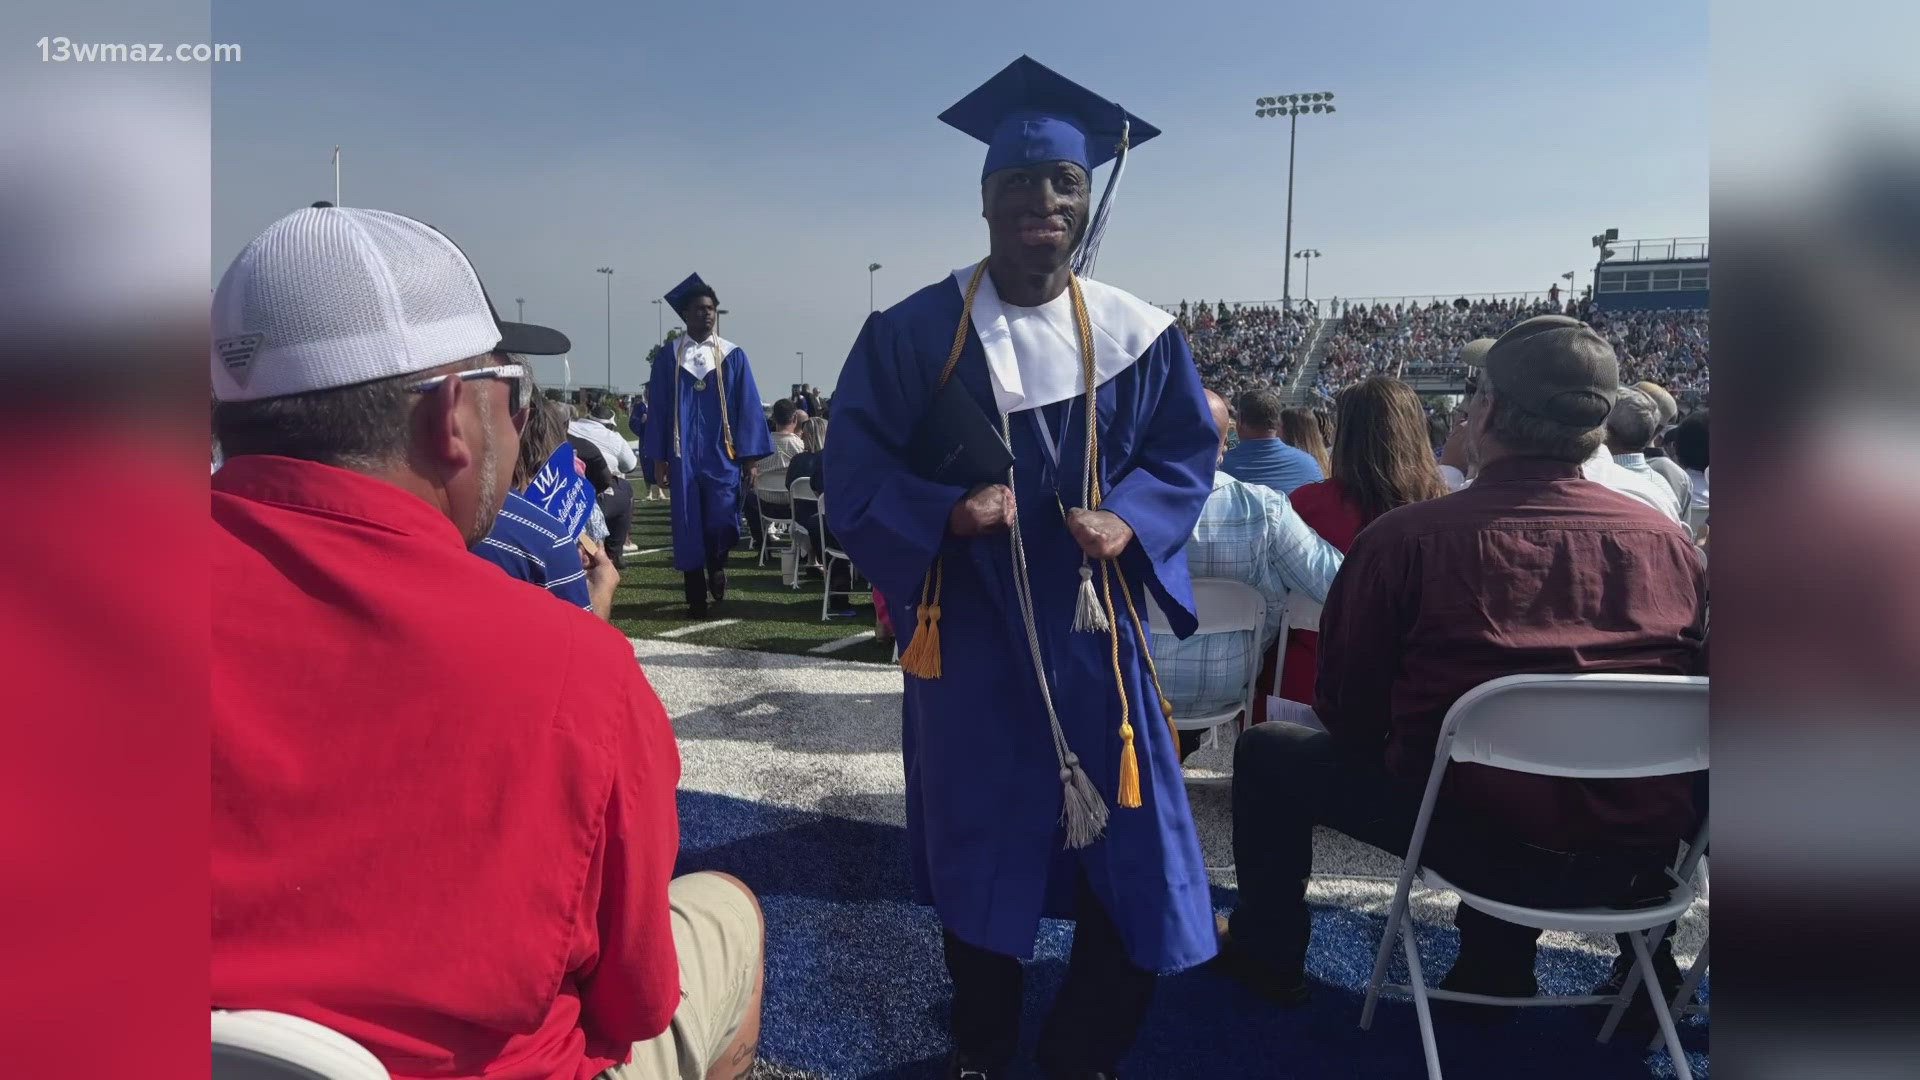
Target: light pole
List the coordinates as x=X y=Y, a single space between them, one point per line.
x=608 y=270
x=659 y=324
x=522 y=302
x=1306 y=257
x=1291 y=106
x=871 y=267
x=803 y=367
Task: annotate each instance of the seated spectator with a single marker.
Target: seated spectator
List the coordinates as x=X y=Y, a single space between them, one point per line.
x=1262 y=456
x=807 y=465
x=443 y=817
x=1381 y=462
x=783 y=420
x=1246 y=533
x=1531 y=569
x=529 y=543
x=1600 y=468
x=1301 y=429
x=616 y=499
x=1657 y=459
x=1631 y=428
x=1688 y=444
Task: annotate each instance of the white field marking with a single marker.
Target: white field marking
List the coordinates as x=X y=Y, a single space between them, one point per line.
x=643 y=551
x=836 y=646
x=696 y=628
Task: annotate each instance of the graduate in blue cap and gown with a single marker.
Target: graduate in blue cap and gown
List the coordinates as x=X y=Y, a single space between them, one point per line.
x=705 y=431
x=1042 y=774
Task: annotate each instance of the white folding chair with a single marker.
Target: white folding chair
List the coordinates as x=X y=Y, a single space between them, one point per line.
x=1582 y=726
x=803 y=493
x=776 y=507
x=828 y=556
x=255 y=1044
x=1222 y=606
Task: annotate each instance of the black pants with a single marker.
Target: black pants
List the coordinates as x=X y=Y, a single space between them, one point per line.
x=617 y=504
x=1287 y=779
x=1094 y=1019
x=750 y=509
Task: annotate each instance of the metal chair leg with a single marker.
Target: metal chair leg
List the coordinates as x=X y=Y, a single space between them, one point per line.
x=1422 y=1009
x=1682 y=1000
x=1395 y=913
x=1660 y=1013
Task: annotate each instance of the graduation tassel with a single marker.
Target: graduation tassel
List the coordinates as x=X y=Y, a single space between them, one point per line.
x=1129 y=794
x=1129 y=768
x=1083 y=812
x=1087 y=614
x=1146 y=650
x=922 y=657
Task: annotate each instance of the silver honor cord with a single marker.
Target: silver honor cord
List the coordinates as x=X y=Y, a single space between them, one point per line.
x=1083 y=812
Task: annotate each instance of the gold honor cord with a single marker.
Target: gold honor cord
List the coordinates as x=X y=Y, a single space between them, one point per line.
x=1083 y=813
x=720 y=387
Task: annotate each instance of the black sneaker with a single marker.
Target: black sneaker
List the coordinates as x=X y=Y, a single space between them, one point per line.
x=959 y=1068
x=696 y=590
x=1471 y=978
x=717 y=584
x=1285 y=988
x=1638 y=1021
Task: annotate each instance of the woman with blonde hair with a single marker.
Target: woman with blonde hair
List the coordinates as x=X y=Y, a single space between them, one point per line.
x=1300 y=429
x=1382 y=459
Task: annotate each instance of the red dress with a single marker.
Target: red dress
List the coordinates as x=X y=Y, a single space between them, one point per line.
x=1325 y=507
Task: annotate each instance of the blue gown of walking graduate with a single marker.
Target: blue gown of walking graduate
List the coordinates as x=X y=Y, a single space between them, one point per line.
x=705 y=482
x=983 y=790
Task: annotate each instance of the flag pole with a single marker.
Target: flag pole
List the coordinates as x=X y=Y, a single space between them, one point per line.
x=336 y=176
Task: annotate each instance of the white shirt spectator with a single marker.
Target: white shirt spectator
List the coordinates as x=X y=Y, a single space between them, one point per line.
x=619 y=455
x=1646 y=486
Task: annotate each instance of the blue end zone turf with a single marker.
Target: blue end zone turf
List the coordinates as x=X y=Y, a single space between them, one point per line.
x=856 y=987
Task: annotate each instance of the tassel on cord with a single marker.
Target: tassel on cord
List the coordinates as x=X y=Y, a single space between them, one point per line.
x=1087 y=614
x=922 y=656
x=1083 y=812
x=1129 y=769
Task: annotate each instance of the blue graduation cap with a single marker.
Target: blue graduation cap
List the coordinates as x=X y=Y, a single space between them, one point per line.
x=682 y=294
x=1029 y=113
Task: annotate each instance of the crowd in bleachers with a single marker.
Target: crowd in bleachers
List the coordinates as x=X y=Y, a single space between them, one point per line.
x=1407 y=340
x=1241 y=347
x=1665 y=347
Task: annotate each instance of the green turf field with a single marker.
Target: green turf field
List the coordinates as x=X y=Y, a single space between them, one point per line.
x=773 y=618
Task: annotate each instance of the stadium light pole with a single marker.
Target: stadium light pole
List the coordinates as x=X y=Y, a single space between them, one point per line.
x=521 y=315
x=608 y=270
x=1291 y=106
x=1306 y=257
x=803 y=366
x=871 y=267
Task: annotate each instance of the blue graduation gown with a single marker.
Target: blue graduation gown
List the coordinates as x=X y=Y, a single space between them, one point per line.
x=705 y=482
x=983 y=790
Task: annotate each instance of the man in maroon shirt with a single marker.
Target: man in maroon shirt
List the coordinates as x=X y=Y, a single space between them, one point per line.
x=443 y=805
x=1530 y=569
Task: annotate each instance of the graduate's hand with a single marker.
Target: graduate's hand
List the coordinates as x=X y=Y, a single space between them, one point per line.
x=1100 y=533
x=987 y=508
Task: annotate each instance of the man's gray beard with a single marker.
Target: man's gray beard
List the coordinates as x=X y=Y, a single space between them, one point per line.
x=487 y=506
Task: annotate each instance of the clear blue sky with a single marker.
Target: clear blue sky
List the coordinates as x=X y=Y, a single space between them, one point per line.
x=778 y=148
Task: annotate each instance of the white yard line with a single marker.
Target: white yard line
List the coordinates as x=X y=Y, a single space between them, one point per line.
x=696 y=628
x=642 y=551
x=836 y=646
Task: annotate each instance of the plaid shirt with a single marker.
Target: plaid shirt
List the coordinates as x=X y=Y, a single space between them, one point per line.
x=1251 y=534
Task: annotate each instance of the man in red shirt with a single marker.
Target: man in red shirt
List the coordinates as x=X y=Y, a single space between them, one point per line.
x=452 y=845
x=1531 y=569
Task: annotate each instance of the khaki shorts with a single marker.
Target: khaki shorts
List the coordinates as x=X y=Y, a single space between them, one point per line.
x=717 y=934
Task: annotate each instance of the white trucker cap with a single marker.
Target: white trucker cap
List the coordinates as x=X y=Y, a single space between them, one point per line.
x=333 y=296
